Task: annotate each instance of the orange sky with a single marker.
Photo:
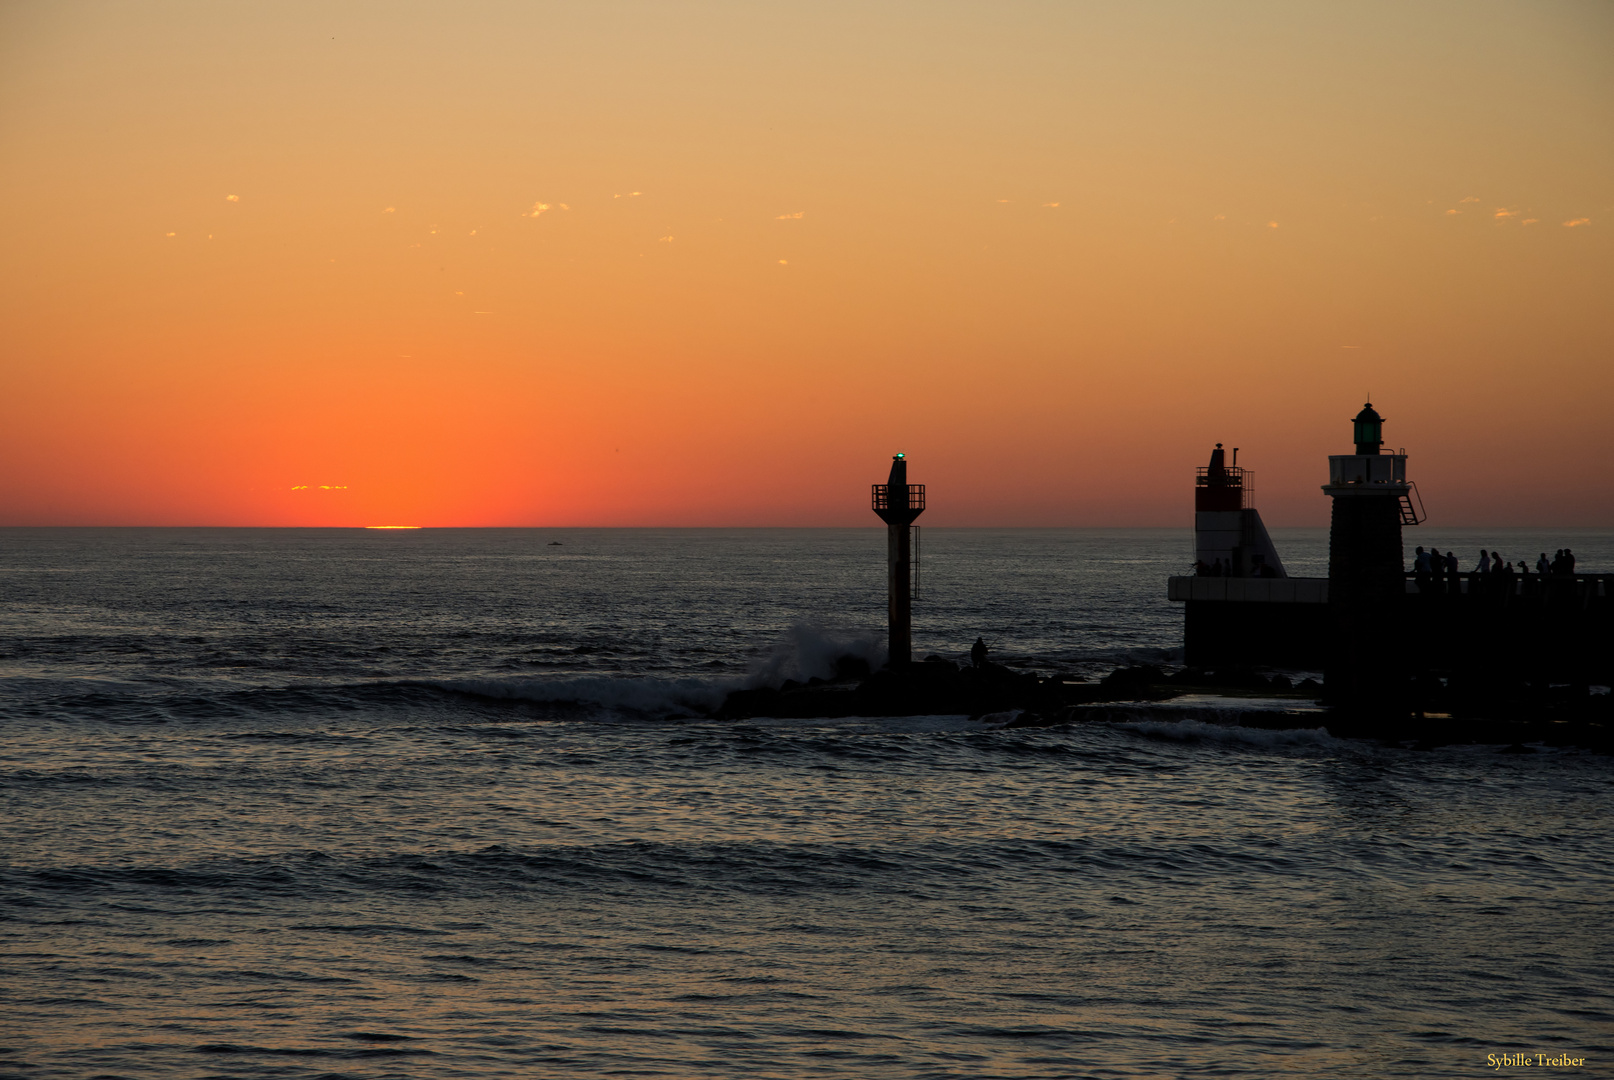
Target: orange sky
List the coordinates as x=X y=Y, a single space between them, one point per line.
x=1052 y=251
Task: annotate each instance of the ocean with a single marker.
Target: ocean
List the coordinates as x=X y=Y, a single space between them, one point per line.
x=441 y=803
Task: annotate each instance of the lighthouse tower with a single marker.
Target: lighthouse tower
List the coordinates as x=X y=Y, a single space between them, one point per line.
x=1366 y=575
x=1229 y=538
x=898 y=503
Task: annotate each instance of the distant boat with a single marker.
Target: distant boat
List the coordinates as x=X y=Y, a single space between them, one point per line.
x=554 y=543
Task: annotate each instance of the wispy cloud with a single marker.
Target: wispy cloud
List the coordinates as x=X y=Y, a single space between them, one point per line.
x=1272 y=224
x=791 y=217
x=665 y=240
x=538 y=208
x=390 y=210
x=1568 y=224
x=1219 y=217
x=1454 y=211
x=232 y=198
x=629 y=195
x=1469 y=199
x=1050 y=205
x=784 y=262
x=1531 y=221
x=1005 y=200
x=1502 y=213
x=170 y=234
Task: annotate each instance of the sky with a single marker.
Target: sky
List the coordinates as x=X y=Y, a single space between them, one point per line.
x=493 y=264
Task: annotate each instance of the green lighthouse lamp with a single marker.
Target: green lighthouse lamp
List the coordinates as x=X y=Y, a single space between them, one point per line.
x=1369 y=430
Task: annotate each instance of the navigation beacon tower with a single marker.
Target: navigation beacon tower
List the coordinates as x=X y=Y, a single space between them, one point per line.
x=1366 y=573
x=898 y=503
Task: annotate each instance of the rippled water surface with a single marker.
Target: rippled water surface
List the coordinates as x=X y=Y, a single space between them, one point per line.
x=339 y=804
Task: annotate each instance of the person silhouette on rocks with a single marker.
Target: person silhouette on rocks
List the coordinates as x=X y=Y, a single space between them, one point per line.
x=978 y=653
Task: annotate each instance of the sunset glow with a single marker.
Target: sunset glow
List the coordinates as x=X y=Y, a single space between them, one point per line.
x=532 y=264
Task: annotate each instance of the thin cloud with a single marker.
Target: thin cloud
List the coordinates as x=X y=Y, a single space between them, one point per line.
x=538 y=208
x=1471 y=198
x=1005 y=200
x=175 y=234
x=390 y=210
x=1575 y=224
x=665 y=240
x=1272 y=224
x=784 y=262
x=1503 y=214
x=232 y=198
x=1531 y=221
x=1454 y=211
x=791 y=217
x=629 y=195
x=1050 y=205
x=1219 y=217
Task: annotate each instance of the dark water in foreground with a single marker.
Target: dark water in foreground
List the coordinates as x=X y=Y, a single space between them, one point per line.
x=340 y=804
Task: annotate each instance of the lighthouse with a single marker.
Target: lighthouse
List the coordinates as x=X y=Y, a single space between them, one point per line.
x=1366 y=573
x=1229 y=538
x=898 y=503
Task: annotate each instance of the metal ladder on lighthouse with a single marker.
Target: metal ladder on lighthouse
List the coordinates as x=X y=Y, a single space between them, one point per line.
x=1412 y=513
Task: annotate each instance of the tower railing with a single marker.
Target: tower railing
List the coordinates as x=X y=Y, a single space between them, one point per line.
x=1230 y=477
x=881 y=496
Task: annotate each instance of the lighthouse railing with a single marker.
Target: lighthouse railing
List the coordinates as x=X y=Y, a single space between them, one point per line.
x=881 y=496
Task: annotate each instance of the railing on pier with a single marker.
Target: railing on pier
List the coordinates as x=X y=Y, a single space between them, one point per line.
x=1230 y=476
x=1582 y=587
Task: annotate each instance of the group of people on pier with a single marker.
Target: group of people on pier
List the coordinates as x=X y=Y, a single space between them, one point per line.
x=1435 y=573
x=1259 y=567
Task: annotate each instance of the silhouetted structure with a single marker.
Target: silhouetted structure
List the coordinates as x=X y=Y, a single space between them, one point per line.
x=1227 y=526
x=898 y=503
x=1366 y=578
x=1392 y=643
x=1241 y=606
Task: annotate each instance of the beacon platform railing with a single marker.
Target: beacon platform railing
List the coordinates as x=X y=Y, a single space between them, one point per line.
x=881 y=496
x=1229 y=477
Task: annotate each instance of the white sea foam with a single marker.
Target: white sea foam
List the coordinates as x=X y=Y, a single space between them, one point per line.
x=802 y=652
x=805 y=652
x=1197 y=731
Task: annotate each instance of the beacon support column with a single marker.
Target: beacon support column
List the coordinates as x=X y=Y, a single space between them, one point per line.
x=898 y=503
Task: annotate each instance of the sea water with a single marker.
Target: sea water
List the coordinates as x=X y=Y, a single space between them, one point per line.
x=307 y=803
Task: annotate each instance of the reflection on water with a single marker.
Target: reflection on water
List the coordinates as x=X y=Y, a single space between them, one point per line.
x=257 y=827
